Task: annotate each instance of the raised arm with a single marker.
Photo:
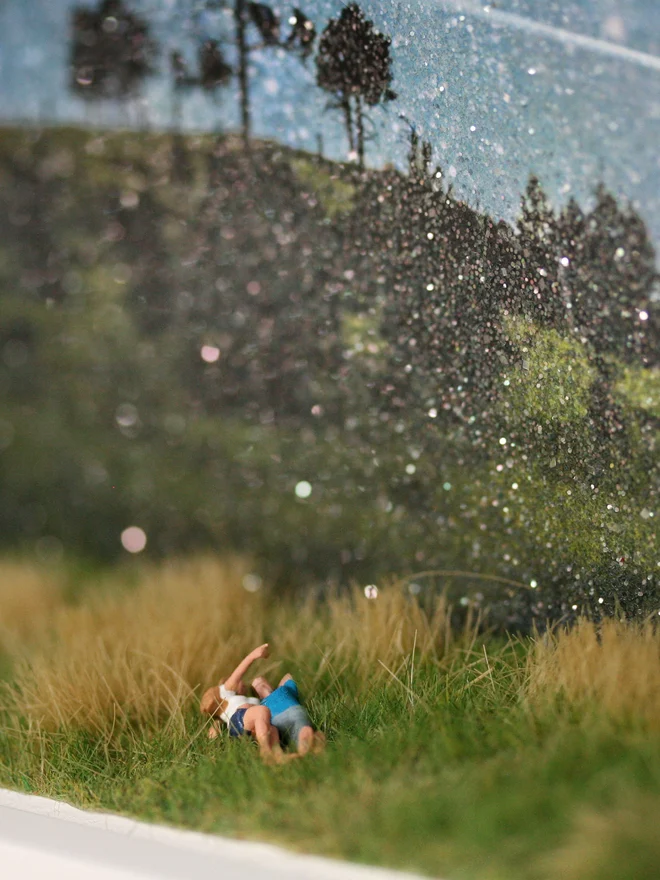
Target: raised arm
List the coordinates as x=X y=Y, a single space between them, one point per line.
x=232 y=683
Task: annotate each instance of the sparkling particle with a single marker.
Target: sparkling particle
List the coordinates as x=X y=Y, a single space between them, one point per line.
x=210 y=353
x=410 y=468
x=433 y=413
x=643 y=316
x=371 y=591
x=565 y=262
x=252 y=582
x=533 y=584
x=446 y=486
x=502 y=441
x=303 y=489
x=430 y=236
x=601 y=600
x=134 y=539
x=126 y=415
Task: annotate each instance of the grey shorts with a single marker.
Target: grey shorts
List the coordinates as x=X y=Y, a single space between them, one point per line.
x=290 y=722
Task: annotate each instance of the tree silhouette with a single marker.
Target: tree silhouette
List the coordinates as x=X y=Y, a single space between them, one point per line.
x=355 y=66
x=263 y=22
x=111 y=51
x=303 y=34
x=539 y=292
x=610 y=276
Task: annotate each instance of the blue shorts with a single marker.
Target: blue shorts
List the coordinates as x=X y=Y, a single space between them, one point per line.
x=236 y=723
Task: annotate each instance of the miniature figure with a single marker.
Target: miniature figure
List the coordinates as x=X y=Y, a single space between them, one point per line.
x=242 y=715
x=288 y=716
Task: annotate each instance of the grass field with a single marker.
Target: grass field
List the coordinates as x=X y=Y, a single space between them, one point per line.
x=451 y=752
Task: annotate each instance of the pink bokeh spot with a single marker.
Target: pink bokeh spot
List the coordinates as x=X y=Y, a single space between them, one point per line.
x=133 y=539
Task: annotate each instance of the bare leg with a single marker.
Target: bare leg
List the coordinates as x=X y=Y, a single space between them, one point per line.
x=257 y=722
x=310 y=740
x=305 y=740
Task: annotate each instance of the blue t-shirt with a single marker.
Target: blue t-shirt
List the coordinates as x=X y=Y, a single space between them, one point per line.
x=282 y=698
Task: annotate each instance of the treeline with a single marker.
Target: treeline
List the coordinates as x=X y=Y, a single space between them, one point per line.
x=181 y=352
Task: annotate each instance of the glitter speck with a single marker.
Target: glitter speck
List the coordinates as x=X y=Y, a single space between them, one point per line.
x=502 y=441
x=410 y=468
x=252 y=583
x=533 y=584
x=303 y=489
x=371 y=591
x=643 y=316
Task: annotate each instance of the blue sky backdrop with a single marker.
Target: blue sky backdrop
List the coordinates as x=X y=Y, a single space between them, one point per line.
x=568 y=90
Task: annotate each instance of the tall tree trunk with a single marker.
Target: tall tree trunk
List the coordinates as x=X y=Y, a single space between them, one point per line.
x=348 y=115
x=360 y=131
x=240 y=18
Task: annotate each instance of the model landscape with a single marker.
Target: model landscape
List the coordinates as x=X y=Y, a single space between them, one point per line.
x=251 y=394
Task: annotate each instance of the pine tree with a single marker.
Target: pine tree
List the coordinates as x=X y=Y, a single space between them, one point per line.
x=536 y=287
x=111 y=51
x=354 y=65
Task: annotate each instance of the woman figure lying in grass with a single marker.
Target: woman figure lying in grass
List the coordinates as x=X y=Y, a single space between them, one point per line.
x=279 y=711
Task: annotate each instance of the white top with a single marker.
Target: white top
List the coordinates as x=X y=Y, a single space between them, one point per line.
x=234 y=702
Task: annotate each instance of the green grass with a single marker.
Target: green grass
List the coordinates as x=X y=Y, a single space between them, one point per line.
x=463 y=782
x=450 y=752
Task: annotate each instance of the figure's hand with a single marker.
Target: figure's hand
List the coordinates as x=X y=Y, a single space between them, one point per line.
x=261 y=652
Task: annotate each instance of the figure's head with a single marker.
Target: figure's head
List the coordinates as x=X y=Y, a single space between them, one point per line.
x=211 y=703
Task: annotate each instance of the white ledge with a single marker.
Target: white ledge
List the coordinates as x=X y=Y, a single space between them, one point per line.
x=41 y=838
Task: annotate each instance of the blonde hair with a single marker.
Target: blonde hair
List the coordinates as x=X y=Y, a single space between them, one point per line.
x=211 y=703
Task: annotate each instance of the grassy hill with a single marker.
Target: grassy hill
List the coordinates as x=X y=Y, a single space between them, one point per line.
x=457 y=395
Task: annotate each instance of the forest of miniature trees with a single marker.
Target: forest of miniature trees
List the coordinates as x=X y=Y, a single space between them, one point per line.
x=461 y=393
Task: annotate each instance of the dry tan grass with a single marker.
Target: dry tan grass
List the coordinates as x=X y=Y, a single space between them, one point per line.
x=29 y=595
x=136 y=657
x=613 y=666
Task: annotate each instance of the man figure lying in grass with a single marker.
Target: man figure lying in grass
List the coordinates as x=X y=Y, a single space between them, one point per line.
x=288 y=716
x=242 y=715
x=278 y=713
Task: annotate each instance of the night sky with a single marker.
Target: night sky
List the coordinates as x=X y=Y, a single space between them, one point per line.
x=569 y=91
